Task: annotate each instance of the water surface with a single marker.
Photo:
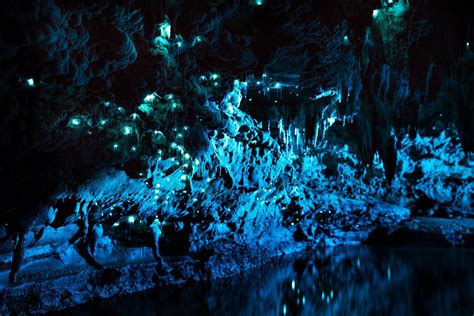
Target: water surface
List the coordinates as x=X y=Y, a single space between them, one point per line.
x=339 y=281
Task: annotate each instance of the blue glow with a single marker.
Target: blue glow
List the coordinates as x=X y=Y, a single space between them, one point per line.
x=75 y=122
x=375 y=13
x=131 y=219
x=346 y=40
x=30 y=82
x=150 y=97
x=127 y=130
x=165 y=30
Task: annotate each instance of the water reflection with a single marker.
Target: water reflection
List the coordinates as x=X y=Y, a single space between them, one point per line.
x=340 y=281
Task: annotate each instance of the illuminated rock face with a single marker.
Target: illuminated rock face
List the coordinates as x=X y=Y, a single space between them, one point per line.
x=190 y=129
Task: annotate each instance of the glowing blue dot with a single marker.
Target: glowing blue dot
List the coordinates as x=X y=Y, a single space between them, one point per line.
x=131 y=219
x=115 y=146
x=375 y=13
x=150 y=97
x=277 y=85
x=30 y=82
x=75 y=122
x=103 y=122
x=293 y=284
x=214 y=76
x=165 y=30
x=127 y=130
x=134 y=148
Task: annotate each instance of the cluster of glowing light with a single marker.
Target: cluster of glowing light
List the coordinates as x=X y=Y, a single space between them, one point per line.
x=375 y=13
x=131 y=219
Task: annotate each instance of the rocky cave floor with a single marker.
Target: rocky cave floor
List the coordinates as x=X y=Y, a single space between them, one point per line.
x=48 y=282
